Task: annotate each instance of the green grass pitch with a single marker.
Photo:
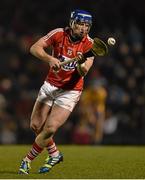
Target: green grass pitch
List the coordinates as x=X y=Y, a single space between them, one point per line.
x=80 y=162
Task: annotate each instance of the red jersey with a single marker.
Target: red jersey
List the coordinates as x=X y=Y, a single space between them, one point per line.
x=62 y=48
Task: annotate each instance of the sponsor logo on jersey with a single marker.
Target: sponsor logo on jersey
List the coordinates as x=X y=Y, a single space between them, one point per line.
x=69 y=66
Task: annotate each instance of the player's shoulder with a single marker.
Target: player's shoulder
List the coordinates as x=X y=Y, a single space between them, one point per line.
x=87 y=43
x=57 y=31
x=89 y=39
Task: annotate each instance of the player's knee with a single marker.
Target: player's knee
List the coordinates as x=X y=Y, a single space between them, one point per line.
x=50 y=131
x=35 y=127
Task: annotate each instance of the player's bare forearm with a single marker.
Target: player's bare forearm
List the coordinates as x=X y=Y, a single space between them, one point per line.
x=85 y=67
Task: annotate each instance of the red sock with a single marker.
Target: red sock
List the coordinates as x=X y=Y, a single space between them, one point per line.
x=33 y=153
x=52 y=149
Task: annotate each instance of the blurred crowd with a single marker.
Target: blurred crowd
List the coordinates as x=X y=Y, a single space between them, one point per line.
x=112 y=106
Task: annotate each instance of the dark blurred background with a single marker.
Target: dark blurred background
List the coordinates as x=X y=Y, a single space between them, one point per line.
x=112 y=107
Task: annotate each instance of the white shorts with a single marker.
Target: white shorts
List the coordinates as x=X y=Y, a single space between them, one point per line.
x=50 y=94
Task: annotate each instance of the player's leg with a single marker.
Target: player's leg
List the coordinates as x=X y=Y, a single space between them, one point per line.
x=38 y=118
x=56 y=118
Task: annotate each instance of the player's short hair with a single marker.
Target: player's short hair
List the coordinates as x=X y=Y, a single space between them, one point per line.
x=81 y=16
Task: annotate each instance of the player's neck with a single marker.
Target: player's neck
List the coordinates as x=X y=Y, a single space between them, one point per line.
x=74 y=38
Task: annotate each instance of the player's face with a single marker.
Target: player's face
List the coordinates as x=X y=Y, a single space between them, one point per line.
x=81 y=29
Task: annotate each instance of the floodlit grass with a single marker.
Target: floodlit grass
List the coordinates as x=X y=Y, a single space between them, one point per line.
x=80 y=162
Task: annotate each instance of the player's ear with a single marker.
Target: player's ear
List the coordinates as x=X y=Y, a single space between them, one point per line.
x=71 y=24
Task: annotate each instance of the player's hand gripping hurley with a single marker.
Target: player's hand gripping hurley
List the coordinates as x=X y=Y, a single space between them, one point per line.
x=99 y=48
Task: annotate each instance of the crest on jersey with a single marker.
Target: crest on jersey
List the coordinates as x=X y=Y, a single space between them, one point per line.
x=69 y=51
